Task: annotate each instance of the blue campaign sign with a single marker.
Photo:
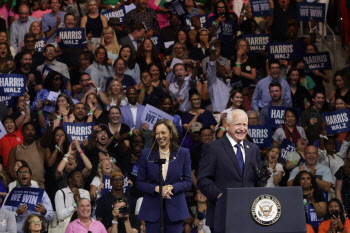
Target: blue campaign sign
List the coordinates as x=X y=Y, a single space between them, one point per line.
x=202 y=18
x=47 y=70
x=261 y=135
x=120 y=14
x=276 y=116
x=282 y=51
x=258 y=42
x=40 y=45
x=7 y=100
x=80 y=131
x=12 y=84
x=177 y=7
x=28 y=196
x=72 y=37
x=311 y=215
x=106 y=180
x=317 y=61
x=155 y=38
x=307 y=11
x=286 y=147
x=337 y=121
x=260 y=8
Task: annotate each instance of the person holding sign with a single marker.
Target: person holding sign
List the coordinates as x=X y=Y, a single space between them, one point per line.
x=336 y=221
x=294 y=158
x=24 y=176
x=177 y=178
x=314 y=201
x=105 y=168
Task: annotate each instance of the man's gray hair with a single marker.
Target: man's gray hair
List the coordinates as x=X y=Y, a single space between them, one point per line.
x=233 y=113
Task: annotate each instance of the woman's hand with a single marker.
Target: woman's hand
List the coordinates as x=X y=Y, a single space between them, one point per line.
x=100 y=187
x=199 y=112
x=39 y=105
x=145 y=126
x=77 y=144
x=310 y=197
x=63 y=111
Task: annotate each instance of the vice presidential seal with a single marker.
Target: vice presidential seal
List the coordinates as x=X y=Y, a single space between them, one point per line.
x=266 y=209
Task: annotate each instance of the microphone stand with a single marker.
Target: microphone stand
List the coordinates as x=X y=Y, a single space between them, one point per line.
x=160 y=162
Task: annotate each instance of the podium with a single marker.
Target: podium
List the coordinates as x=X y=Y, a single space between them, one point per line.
x=233 y=211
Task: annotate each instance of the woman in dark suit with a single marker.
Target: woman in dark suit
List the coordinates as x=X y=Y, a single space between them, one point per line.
x=176 y=179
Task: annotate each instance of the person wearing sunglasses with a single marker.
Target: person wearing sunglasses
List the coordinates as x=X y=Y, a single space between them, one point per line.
x=34 y=224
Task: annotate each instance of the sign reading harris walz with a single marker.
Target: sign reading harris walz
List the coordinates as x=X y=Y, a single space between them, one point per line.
x=72 y=37
x=307 y=11
x=258 y=42
x=282 y=51
x=12 y=84
x=317 y=61
x=337 y=121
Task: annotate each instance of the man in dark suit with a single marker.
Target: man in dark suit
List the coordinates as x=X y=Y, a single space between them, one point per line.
x=137 y=33
x=228 y=162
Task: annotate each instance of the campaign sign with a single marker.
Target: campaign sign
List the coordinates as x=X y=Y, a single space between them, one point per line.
x=177 y=7
x=53 y=98
x=337 y=121
x=282 y=51
x=47 y=70
x=311 y=215
x=276 y=116
x=151 y=115
x=28 y=196
x=261 y=135
x=7 y=100
x=40 y=45
x=107 y=187
x=12 y=84
x=258 y=42
x=80 y=131
x=286 y=147
x=307 y=11
x=120 y=14
x=155 y=38
x=260 y=8
x=2 y=130
x=72 y=37
x=202 y=18
x=317 y=61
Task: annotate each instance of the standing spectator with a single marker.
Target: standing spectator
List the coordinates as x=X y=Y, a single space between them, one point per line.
x=275 y=168
x=120 y=221
x=44 y=9
x=135 y=36
x=235 y=101
x=149 y=94
x=296 y=157
x=52 y=21
x=115 y=95
x=21 y=26
x=24 y=176
x=168 y=33
x=6 y=62
x=132 y=68
x=110 y=42
x=86 y=60
x=261 y=96
x=341 y=82
x=143 y=14
x=201 y=51
x=147 y=54
x=132 y=112
x=103 y=64
x=119 y=67
x=282 y=13
x=13 y=184
x=158 y=77
x=84 y=222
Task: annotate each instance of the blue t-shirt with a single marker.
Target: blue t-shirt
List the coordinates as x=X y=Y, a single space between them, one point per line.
x=49 y=21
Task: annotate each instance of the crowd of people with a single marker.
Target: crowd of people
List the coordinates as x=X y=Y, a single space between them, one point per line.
x=204 y=75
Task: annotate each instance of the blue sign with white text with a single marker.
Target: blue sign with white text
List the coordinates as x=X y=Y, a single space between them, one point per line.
x=337 y=121
x=177 y=7
x=202 y=18
x=80 y=131
x=282 y=51
x=286 y=147
x=28 y=196
x=258 y=42
x=261 y=135
x=307 y=11
x=12 y=84
x=40 y=45
x=276 y=116
x=155 y=38
x=317 y=61
x=72 y=37
x=106 y=181
x=260 y=8
x=120 y=14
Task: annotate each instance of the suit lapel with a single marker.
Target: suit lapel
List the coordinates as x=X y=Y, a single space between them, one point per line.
x=130 y=116
x=172 y=166
x=231 y=154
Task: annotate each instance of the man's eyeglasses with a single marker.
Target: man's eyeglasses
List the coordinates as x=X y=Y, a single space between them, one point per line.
x=23 y=173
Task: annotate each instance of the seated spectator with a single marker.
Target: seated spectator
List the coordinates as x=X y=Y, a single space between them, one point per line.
x=158 y=77
x=147 y=54
x=298 y=92
x=323 y=175
x=34 y=223
x=69 y=163
x=7 y=64
x=18 y=164
x=24 y=176
x=120 y=221
x=201 y=51
x=336 y=218
x=289 y=130
x=53 y=20
x=296 y=157
x=105 y=203
x=132 y=68
x=132 y=112
x=84 y=222
x=313 y=197
x=261 y=96
x=135 y=37
x=11 y=139
x=275 y=168
x=119 y=67
x=110 y=42
x=149 y=94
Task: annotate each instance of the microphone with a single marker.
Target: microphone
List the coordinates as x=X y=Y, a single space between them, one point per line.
x=260 y=180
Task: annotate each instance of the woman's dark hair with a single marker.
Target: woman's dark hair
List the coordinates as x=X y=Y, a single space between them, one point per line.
x=53 y=142
x=161 y=74
x=24 y=163
x=131 y=62
x=173 y=135
x=9 y=118
x=114 y=107
x=314 y=46
x=192 y=92
x=162 y=101
x=199 y=32
x=187 y=42
x=8 y=55
x=344 y=75
x=141 y=51
x=296 y=181
x=48 y=83
x=93 y=137
x=273 y=147
x=28 y=222
x=86 y=102
x=105 y=61
x=246 y=26
x=292 y=69
x=119 y=58
x=341 y=210
x=297 y=61
x=293 y=111
x=233 y=92
x=216 y=9
x=68 y=99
